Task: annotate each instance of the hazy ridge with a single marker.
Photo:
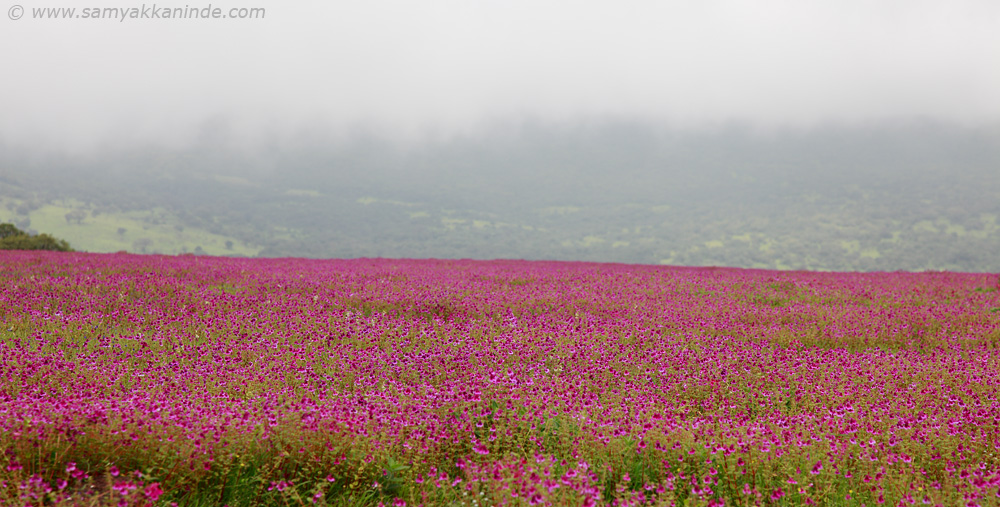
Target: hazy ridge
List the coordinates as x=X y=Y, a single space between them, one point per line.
x=889 y=196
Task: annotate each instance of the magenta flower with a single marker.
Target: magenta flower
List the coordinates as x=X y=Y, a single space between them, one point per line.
x=509 y=374
x=777 y=494
x=153 y=491
x=817 y=468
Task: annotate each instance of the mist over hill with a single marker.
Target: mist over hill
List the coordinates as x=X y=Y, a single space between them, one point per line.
x=903 y=195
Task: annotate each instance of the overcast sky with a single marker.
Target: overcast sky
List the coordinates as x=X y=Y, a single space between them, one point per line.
x=410 y=66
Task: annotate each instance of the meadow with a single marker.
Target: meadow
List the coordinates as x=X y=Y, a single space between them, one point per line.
x=202 y=381
x=155 y=230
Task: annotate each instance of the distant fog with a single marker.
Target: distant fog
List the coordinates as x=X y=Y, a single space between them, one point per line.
x=420 y=71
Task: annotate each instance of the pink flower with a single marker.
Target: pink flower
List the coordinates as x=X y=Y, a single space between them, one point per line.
x=153 y=491
x=777 y=494
x=817 y=468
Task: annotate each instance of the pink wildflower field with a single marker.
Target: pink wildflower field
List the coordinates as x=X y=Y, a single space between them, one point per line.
x=157 y=380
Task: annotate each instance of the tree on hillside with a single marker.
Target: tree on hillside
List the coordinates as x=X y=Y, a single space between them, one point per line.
x=141 y=245
x=8 y=230
x=12 y=238
x=76 y=215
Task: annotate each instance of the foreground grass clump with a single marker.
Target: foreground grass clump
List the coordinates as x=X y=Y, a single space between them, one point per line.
x=135 y=380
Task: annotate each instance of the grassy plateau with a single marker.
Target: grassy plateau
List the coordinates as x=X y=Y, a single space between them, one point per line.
x=203 y=381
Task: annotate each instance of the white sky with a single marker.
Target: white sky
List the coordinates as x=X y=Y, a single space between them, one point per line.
x=407 y=66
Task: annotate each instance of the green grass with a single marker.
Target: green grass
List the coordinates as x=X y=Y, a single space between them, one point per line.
x=164 y=231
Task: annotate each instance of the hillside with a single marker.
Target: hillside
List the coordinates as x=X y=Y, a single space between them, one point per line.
x=908 y=196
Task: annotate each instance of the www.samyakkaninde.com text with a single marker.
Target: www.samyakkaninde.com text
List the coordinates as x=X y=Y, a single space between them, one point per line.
x=148 y=12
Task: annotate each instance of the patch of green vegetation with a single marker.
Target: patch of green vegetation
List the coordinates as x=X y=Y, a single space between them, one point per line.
x=870 y=253
x=767 y=245
x=152 y=231
x=851 y=246
x=925 y=226
x=854 y=247
x=895 y=238
x=990 y=227
x=958 y=230
x=12 y=238
x=229 y=289
x=366 y=200
x=946 y=226
x=451 y=223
